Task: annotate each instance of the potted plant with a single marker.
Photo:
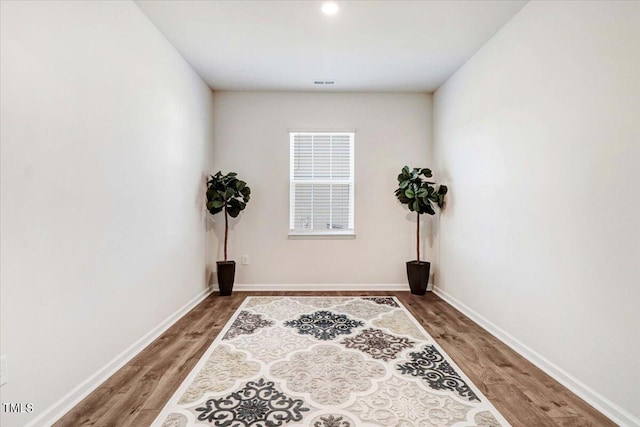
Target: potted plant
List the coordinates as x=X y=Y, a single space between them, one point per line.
x=418 y=193
x=231 y=195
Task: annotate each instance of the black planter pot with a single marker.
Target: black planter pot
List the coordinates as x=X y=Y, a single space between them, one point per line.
x=226 y=275
x=418 y=275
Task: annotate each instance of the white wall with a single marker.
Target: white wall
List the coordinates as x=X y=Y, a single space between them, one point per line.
x=106 y=139
x=251 y=131
x=538 y=135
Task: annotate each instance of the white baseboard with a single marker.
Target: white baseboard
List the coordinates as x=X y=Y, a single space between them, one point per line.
x=54 y=412
x=614 y=412
x=250 y=287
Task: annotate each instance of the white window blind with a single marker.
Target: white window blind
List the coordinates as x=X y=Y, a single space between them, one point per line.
x=321 y=183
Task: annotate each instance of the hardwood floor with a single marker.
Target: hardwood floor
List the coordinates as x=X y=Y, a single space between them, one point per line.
x=524 y=394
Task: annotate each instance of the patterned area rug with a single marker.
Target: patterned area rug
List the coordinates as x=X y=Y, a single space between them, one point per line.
x=326 y=362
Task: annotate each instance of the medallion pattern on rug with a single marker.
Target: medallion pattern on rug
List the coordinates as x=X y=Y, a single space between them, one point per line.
x=378 y=344
x=245 y=324
x=333 y=421
x=282 y=310
x=272 y=344
x=258 y=404
x=326 y=362
x=323 y=324
x=400 y=402
x=363 y=309
x=321 y=302
x=431 y=366
x=328 y=374
x=382 y=300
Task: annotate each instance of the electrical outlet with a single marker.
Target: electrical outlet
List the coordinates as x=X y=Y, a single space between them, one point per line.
x=245 y=259
x=3 y=370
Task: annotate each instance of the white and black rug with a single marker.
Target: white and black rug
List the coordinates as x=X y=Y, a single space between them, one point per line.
x=326 y=362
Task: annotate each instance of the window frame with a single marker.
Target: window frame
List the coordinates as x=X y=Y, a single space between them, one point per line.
x=322 y=233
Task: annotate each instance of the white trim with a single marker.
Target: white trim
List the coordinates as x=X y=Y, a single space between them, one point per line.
x=255 y=287
x=321 y=130
x=318 y=235
x=609 y=409
x=71 y=399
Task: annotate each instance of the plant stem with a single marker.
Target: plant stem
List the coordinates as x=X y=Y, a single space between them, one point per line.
x=226 y=231
x=418 y=237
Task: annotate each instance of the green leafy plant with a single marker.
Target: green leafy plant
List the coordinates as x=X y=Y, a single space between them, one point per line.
x=229 y=194
x=419 y=194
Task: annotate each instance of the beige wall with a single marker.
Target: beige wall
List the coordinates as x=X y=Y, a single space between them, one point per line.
x=106 y=137
x=538 y=136
x=251 y=131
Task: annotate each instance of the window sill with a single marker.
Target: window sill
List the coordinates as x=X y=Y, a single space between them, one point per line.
x=322 y=236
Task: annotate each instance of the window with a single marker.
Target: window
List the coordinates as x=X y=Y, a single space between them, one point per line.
x=321 y=183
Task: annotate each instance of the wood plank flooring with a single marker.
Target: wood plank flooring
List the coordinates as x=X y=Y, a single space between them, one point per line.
x=524 y=394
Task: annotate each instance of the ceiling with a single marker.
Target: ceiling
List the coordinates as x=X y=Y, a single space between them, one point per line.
x=394 y=46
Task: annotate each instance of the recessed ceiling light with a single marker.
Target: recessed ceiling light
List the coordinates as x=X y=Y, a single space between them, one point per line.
x=330 y=8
